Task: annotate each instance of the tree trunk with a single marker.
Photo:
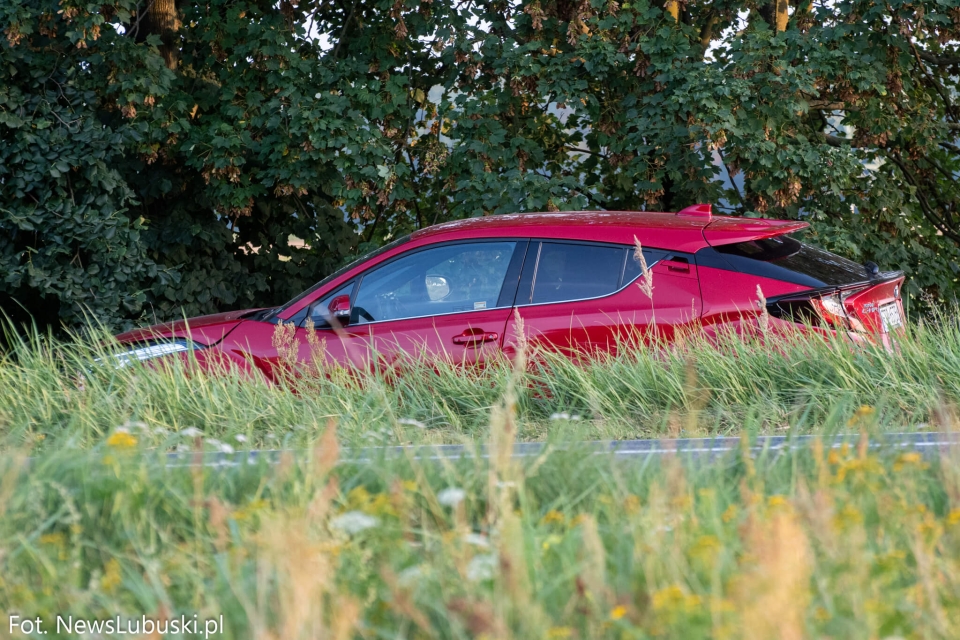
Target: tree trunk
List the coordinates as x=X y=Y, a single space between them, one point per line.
x=164 y=21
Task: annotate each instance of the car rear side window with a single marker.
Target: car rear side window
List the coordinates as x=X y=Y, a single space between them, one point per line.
x=576 y=271
x=567 y=271
x=784 y=258
x=632 y=269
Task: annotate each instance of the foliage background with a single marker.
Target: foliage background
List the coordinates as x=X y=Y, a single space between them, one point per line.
x=156 y=157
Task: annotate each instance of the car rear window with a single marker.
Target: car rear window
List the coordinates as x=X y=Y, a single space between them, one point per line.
x=784 y=258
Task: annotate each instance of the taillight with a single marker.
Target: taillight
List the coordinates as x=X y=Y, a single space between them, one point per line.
x=831 y=311
x=819 y=310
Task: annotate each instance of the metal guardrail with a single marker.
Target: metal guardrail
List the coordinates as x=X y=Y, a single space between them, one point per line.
x=927 y=443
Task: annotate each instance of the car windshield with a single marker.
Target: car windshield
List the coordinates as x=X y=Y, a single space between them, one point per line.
x=791 y=260
x=339 y=272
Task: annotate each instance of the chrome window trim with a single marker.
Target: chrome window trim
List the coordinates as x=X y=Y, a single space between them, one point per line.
x=350 y=327
x=606 y=295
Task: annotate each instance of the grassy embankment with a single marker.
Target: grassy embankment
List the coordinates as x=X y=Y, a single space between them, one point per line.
x=842 y=543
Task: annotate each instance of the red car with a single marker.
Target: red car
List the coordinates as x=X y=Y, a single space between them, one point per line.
x=456 y=290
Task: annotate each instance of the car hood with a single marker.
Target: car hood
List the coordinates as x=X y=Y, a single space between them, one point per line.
x=205 y=330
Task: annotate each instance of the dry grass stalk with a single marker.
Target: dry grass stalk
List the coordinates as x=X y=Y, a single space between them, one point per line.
x=646 y=279
x=764 y=317
x=286 y=343
x=773 y=592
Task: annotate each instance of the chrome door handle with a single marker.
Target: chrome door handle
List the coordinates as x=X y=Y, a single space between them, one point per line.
x=475 y=338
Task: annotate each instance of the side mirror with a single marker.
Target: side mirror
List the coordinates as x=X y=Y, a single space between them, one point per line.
x=339 y=308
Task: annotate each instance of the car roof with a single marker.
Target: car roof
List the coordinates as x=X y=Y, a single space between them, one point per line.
x=687 y=231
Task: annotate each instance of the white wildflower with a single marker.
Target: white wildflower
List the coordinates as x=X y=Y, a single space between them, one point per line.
x=225 y=448
x=191 y=432
x=481 y=567
x=353 y=522
x=477 y=539
x=451 y=496
x=240 y=437
x=410 y=575
x=411 y=422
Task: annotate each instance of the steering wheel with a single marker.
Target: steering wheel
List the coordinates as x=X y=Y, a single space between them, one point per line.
x=390 y=307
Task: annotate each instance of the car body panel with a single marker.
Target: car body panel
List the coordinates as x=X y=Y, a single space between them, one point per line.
x=707 y=293
x=204 y=330
x=600 y=325
x=731 y=297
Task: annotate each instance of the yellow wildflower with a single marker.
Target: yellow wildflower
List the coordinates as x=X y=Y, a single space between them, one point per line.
x=953 y=517
x=911 y=459
x=847 y=517
x=777 y=501
x=111 y=576
x=864 y=413
x=410 y=485
x=249 y=510
x=122 y=440
x=559 y=632
x=673 y=598
x=551 y=540
x=553 y=517
x=631 y=504
x=860 y=467
x=929 y=528
x=618 y=612
x=730 y=513
x=53 y=538
x=705 y=548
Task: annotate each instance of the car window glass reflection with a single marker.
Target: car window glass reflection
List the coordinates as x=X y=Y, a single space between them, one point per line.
x=446 y=279
x=576 y=271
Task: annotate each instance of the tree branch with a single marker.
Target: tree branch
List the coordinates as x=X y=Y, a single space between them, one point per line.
x=938 y=221
x=938 y=60
x=837 y=141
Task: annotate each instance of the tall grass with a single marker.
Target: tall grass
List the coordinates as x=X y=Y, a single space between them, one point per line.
x=53 y=391
x=851 y=542
x=837 y=543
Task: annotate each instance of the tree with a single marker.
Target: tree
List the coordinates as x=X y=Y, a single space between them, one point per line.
x=156 y=157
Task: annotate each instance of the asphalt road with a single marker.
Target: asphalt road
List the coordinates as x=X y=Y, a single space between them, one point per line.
x=927 y=443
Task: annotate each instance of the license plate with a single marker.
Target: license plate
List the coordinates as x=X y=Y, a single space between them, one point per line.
x=890 y=316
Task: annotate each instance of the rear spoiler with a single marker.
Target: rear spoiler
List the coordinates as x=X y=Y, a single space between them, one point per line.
x=723 y=231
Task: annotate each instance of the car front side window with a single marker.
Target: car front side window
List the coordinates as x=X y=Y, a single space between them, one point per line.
x=445 y=279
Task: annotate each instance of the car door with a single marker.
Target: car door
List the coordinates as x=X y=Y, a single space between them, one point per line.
x=581 y=297
x=448 y=301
